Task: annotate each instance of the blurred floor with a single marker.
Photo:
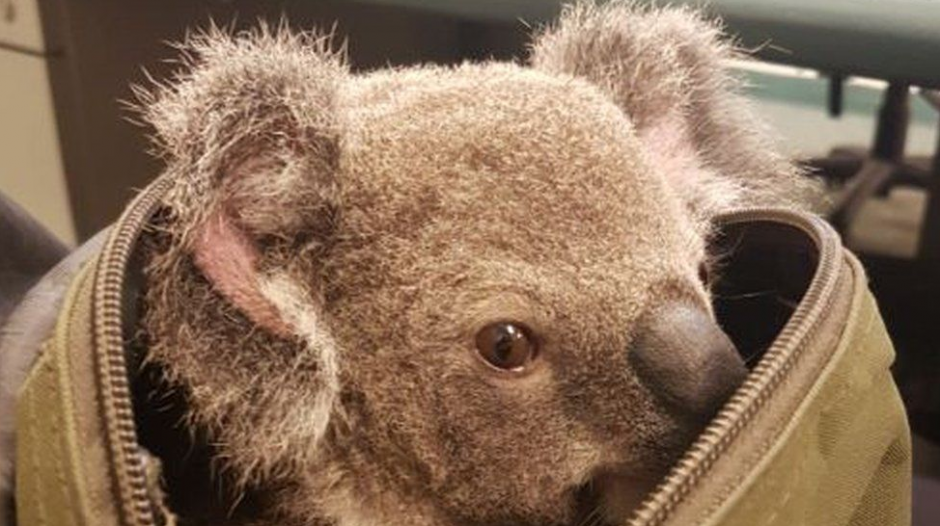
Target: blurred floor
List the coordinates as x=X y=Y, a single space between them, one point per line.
x=890 y=226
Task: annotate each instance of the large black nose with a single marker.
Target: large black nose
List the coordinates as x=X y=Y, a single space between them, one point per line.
x=686 y=360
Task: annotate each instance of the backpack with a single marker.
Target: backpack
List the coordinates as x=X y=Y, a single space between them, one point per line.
x=816 y=435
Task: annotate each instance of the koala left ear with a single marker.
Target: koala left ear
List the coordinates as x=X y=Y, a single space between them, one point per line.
x=667 y=69
x=249 y=130
x=249 y=126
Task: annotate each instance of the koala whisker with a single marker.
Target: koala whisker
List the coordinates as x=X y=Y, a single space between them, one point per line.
x=594 y=518
x=232 y=508
x=589 y=519
x=783 y=300
x=746 y=295
x=753 y=357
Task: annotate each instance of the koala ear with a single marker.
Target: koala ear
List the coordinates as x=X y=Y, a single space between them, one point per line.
x=667 y=69
x=249 y=132
x=250 y=128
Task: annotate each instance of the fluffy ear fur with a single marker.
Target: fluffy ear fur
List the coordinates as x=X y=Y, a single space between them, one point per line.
x=667 y=69
x=251 y=123
x=249 y=129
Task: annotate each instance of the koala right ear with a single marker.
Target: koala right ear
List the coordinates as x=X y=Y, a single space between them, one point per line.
x=667 y=68
x=250 y=128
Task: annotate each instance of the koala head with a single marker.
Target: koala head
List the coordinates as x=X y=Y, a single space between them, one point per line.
x=451 y=295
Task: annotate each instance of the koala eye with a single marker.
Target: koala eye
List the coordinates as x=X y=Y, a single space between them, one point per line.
x=506 y=345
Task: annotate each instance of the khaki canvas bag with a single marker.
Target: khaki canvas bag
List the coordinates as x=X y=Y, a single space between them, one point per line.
x=816 y=435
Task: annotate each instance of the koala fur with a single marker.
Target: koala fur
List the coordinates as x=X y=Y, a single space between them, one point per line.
x=333 y=241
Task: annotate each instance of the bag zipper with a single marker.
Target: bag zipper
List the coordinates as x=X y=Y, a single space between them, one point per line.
x=117 y=405
x=762 y=381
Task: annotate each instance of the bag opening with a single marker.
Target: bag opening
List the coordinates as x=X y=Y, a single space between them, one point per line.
x=764 y=270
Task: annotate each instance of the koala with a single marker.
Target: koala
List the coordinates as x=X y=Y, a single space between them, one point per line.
x=451 y=296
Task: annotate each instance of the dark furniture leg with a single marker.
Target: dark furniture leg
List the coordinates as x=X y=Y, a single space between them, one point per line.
x=886 y=157
x=892 y=123
x=873 y=175
x=930 y=230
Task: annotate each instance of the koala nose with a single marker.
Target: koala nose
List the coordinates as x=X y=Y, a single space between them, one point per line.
x=686 y=360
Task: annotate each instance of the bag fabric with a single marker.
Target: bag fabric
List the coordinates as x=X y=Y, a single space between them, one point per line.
x=63 y=466
x=21 y=339
x=830 y=446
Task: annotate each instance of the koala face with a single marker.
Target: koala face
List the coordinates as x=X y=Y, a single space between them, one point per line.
x=457 y=296
x=514 y=257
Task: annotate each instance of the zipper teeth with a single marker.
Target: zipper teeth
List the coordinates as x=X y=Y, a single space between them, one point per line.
x=112 y=367
x=760 y=383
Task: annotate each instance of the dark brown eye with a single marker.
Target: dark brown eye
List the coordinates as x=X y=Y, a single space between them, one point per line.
x=506 y=345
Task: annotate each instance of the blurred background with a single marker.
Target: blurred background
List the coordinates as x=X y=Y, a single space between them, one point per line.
x=847 y=85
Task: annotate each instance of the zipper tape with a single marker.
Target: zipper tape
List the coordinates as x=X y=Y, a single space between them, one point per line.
x=116 y=402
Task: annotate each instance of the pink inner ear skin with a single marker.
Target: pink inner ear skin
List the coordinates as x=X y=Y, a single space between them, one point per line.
x=228 y=258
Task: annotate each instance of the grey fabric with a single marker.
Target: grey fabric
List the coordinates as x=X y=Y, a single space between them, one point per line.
x=926 y=501
x=27 y=326
x=27 y=251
